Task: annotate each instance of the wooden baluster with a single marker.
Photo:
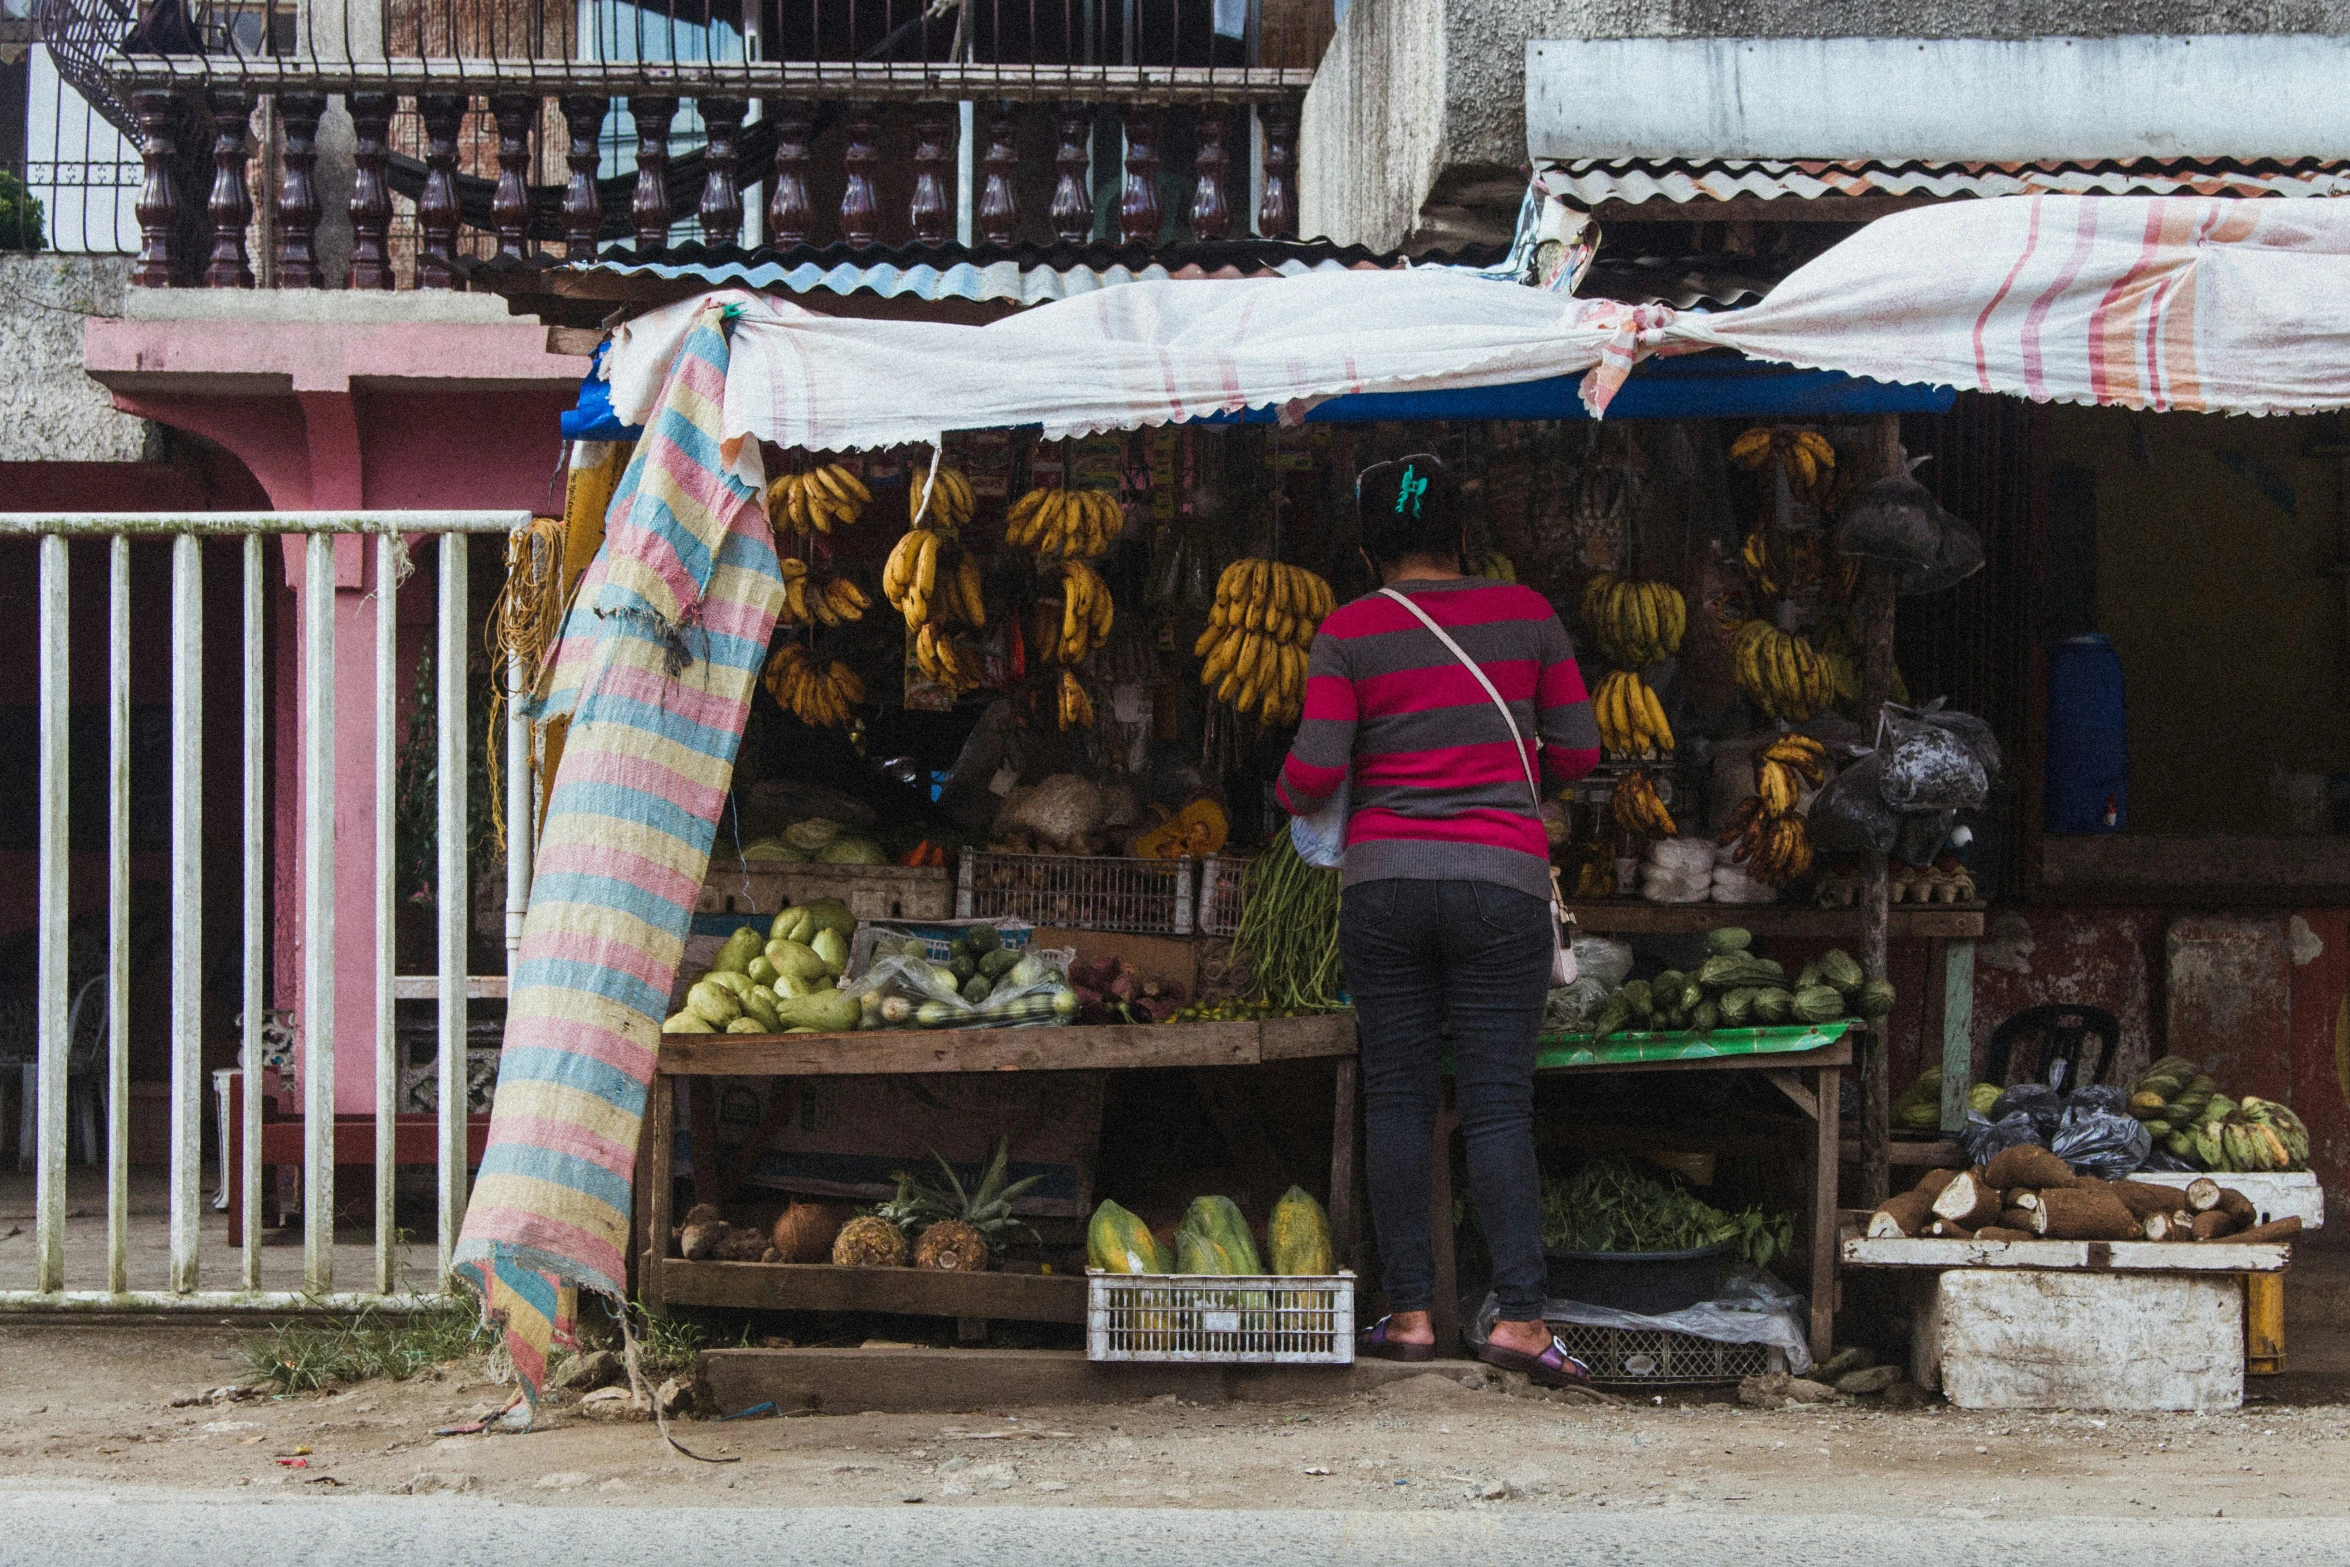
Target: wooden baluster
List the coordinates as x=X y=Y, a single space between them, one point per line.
x=928 y=212
x=1277 y=212
x=231 y=205
x=436 y=209
x=860 y=209
x=1138 y=202
x=721 y=209
x=998 y=218
x=159 y=197
x=583 y=208
x=789 y=214
x=648 y=209
x=1211 y=211
x=510 y=206
x=1072 y=213
x=297 y=195
x=371 y=191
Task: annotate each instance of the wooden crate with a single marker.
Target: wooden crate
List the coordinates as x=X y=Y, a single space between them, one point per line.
x=872 y=892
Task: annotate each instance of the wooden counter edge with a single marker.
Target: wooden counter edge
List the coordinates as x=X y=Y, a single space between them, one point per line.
x=892 y=1052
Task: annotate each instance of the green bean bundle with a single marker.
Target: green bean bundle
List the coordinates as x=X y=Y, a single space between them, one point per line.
x=1289 y=929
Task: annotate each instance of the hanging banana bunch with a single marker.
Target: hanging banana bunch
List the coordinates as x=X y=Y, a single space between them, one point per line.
x=1781 y=673
x=821 y=698
x=1065 y=524
x=1803 y=455
x=833 y=602
x=1254 y=648
x=944 y=660
x=950 y=500
x=1631 y=720
x=1638 y=808
x=1765 y=833
x=817 y=501
x=1076 y=708
x=1086 y=613
x=910 y=577
x=1496 y=567
x=1635 y=623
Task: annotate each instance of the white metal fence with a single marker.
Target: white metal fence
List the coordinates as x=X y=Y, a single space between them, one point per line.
x=391 y=533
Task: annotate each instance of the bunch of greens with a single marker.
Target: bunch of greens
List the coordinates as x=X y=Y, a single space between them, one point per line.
x=1617 y=1205
x=1289 y=929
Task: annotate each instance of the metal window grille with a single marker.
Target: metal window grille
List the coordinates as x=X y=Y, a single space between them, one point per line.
x=55 y=536
x=1265 y=1320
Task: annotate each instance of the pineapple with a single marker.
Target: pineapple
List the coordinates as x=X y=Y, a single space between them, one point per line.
x=869 y=1241
x=960 y=1230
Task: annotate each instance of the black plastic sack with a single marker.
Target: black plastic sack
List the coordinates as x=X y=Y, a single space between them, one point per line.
x=1957 y=557
x=1982 y=1137
x=1851 y=816
x=1922 y=836
x=1896 y=521
x=2101 y=1143
x=2102 y=1097
x=2043 y=1104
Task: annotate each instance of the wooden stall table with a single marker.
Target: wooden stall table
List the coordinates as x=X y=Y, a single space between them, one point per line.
x=1805 y=1063
x=1949 y=931
x=664 y=1281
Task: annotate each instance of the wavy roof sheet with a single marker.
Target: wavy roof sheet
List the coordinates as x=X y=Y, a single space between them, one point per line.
x=1588 y=182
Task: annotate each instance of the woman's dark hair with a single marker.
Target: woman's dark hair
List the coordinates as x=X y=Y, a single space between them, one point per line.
x=1407 y=507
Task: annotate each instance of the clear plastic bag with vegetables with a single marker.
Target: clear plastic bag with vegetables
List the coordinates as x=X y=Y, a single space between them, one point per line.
x=982 y=984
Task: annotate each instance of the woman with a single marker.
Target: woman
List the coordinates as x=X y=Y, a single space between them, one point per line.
x=1447 y=888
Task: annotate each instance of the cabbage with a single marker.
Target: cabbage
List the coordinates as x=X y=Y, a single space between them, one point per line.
x=851 y=849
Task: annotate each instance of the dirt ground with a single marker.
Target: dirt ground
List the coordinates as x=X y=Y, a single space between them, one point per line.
x=90 y=1407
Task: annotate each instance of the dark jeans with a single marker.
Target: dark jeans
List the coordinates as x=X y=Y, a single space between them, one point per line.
x=1478 y=953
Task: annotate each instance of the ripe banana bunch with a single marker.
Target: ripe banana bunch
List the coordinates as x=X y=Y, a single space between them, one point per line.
x=1774 y=848
x=1631 y=720
x=1635 y=623
x=834 y=602
x=941 y=658
x=1254 y=648
x=1785 y=766
x=1783 y=674
x=1639 y=808
x=1809 y=461
x=950 y=500
x=958 y=594
x=818 y=697
x=1085 y=615
x=910 y=578
x=1076 y=706
x=1065 y=524
x=1496 y=567
x=816 y=501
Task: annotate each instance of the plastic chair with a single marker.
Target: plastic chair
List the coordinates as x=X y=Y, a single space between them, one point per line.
x=2063 y=1034
x=85 y=1079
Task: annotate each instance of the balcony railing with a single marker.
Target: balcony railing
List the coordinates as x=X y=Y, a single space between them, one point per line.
x=522 y=129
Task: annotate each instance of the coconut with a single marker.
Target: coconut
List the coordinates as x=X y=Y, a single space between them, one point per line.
x=805 y=1231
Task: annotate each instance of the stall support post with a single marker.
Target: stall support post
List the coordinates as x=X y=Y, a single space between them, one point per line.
x=1827 y=1113
x=1953 y=971
x=656 y=1144
x=2264 y=1324
x=1346 y=1163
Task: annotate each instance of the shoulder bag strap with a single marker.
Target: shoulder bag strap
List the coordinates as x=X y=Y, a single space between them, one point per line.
x=1470 y=664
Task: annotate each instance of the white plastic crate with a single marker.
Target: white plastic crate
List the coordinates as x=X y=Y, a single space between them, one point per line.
x=1079 y=892
x=1223 y=884
x=1243 y=1320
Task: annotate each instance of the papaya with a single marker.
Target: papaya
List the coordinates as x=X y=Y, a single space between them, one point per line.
x=1199 y=1253
x=1218 y=1222
x=827 y=1012
x=1298 y=1235
x=796 y=960
x=1118 y=1242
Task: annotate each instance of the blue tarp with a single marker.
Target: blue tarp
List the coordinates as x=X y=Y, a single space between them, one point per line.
x=1698 y=386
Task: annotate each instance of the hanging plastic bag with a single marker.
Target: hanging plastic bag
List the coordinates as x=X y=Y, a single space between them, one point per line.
x=1320 y=836
x=1851 y=815
x=1929 y=766
x=1896 y=521
x=1958 y=555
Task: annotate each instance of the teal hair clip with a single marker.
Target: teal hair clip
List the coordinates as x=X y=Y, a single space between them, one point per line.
x=1411 y=489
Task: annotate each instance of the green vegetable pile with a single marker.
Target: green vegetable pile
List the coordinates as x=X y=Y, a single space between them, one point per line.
x=1734 y=988
x=1617 y=1205
x=1289 y=929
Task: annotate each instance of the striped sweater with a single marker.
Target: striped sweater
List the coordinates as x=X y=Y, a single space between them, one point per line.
x=1437 y=793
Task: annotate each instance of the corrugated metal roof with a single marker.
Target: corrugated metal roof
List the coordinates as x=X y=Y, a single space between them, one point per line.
x=1588 y=182
x=1035 y=274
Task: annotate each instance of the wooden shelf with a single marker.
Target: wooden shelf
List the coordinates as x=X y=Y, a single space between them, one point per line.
x=1638 y=917
x=917 y=1292
x=2061 y=1256
x=1071 y=1048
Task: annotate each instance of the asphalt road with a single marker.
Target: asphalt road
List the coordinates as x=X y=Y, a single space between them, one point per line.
x=143 y=1530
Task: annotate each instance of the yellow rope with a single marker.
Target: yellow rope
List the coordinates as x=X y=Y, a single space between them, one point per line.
x=522 y=628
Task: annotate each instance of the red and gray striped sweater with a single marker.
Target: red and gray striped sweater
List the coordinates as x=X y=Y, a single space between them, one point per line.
x=1437 y=794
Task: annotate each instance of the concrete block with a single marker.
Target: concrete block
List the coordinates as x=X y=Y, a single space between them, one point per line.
x=2005 y=1339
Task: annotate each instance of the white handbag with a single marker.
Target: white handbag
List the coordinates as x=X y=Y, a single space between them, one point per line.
x=1562 y=947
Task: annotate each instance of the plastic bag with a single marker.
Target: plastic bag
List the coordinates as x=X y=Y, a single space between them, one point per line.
x=1922 y=836
x=1896 y=521
x=1571 y=1008
x=1662 y=884
x=1928 y=766
x=902 y=991
x=1851 y=815
x=1320 y=836
x=2039 y=1101
x=2101 y=1142
x=1958 y=556
x=1608 y=961
x=1750 y=1307
x=1983 y=1137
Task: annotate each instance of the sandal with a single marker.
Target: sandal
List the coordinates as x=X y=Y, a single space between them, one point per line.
x=1374 y=1344
x=1554 y=1367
